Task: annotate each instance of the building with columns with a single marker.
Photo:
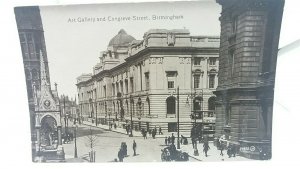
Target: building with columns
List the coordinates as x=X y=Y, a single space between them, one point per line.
x=248 y=53
x=136 y=81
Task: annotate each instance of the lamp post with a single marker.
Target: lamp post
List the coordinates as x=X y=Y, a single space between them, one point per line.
x=178 y=143
x=75 y=141
x=131 y=122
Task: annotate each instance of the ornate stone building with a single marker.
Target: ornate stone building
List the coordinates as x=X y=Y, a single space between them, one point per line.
x=135 y=81
x=43 y=102
x=248 y=53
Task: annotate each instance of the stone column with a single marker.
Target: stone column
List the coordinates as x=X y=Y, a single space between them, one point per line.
x=205 y=78
x=38 y=136
x=59 y=135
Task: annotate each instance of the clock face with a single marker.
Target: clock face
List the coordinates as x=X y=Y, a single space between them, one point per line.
x=47 y=103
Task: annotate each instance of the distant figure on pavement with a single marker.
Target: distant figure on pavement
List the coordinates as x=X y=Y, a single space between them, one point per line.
x=166 y=141
x=153 y=133
x=206 y=148
x=134 y=148
x=120 y=155
x=172 y=139
x=169 y=140
x=229 y=151
x=159 y=131
x=221 y=146
x=233 y=150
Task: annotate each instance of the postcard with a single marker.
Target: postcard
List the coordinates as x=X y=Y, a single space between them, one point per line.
x=151 y=82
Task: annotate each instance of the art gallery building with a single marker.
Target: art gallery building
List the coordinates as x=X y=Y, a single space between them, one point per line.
x=137 y=82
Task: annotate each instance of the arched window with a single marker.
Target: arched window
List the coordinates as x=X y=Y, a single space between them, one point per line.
x=171 y=105
x=34 y=74
x=211 y=103
x=27 y=74
x=197 y=103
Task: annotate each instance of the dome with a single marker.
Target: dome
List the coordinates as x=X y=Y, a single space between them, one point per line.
x=121 y=39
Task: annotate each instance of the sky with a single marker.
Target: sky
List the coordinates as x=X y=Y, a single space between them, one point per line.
x=73 y=48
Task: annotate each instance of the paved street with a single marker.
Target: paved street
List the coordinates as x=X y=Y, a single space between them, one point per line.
x=149 y=150
x=108 y=144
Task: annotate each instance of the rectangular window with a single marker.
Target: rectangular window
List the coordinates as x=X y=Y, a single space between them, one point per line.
x=113 y=90
x=126 y=86
x=234 y=25
x=212 y=81
x=171 y=78
x=172 y=127
x=131 y=85
x=117 y=87
x=196 y=81
x=104 y=91
x=231 y=61
x=121 y=86
x=212 y=61
x=197 y=61
x=147 y=81
x=170 y=84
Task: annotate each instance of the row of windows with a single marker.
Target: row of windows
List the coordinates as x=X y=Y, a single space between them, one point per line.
x=197 y=104
x=119 y=87
x=211 y=61
x=29 y=46
x=211 y=81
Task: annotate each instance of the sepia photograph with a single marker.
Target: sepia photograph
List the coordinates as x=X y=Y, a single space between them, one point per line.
x=184 y=81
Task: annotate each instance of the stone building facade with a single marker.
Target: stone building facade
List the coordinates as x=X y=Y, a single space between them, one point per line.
x=248 y=53
x=135 y=81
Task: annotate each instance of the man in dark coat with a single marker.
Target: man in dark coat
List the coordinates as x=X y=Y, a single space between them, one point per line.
x=173 y=138
x=120 y=155
x=134 y=148
x=166 y=141
x=206 y=148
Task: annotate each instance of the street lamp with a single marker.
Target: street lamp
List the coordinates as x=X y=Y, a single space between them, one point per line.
x=178 y=143
x=131 y=122
x=75 y=141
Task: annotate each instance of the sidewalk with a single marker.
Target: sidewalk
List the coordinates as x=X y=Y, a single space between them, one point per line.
x=120 y=130
x=212 y=155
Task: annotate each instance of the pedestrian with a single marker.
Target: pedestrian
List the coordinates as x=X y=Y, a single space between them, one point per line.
x=145 y=134
x=221 y=149
x=206 y=148
x=172 y=139
x=115 y=125
x=134 y=148
x=169 y=140
x=159 y=130
x=120 y=155
x=229 y=151
x=153 y=133
x=127 y=129
x=233 y=150
x=181 y=139
x=166 y=141
x=193 y=142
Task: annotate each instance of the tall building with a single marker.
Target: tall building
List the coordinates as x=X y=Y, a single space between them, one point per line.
x=31 y=34
x=135 y=82
x=43 y=102
x=248 y=53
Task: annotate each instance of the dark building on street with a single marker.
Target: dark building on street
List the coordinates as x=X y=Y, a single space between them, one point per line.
x=248 y=52
x=43 y=102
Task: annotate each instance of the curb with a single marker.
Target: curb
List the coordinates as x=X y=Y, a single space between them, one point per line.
x=107 y=129
x=116 y=130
